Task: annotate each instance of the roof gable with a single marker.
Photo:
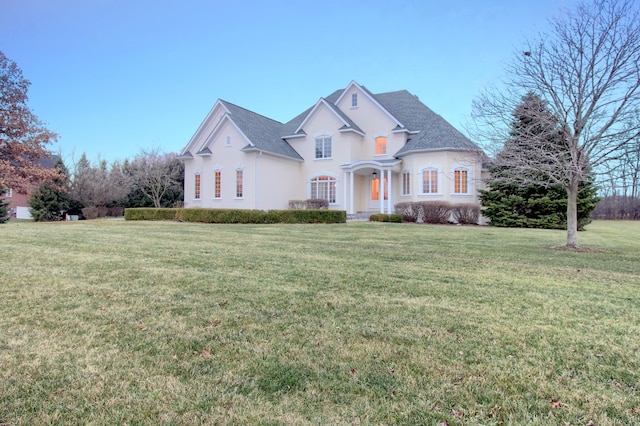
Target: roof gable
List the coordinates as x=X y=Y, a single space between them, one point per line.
x=347 y=123
x=353 y=86
x=211 y=121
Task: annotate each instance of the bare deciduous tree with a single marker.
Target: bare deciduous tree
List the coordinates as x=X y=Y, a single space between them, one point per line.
x=587 y=70
x=154 y=173
x=98 y=186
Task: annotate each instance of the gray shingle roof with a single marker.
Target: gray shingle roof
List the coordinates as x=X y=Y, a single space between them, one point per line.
x=434 y=131
x=264 y=133
x=431 y=130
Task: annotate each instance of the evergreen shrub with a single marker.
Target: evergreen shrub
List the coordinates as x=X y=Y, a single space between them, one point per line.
x=4 y=207
x=205 y=215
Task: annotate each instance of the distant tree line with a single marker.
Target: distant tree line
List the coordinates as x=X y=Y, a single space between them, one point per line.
x=151 y=179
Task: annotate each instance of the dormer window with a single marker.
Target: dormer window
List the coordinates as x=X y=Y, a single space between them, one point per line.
x=227 y=142
x=354 y=100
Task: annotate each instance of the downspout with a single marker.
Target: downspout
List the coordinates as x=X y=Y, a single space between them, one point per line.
x=255 y=176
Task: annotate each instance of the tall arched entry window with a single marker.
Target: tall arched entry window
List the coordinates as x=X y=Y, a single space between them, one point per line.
x=323 y=187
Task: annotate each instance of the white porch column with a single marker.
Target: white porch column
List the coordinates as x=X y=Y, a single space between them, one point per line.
x=390 y=184
x=381 y=191
x=344 y=191
x=351 y=177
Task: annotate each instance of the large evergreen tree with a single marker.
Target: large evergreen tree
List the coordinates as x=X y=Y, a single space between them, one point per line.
x=4 y=207
x=586 y=67
x=50 y=201
x=534 y=202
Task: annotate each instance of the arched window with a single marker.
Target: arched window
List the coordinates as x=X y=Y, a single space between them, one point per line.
x=196 y=193
x=381 y=145
x=217 y=174
x=323 y=187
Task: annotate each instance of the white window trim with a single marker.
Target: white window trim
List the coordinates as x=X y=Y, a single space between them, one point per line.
x=420 y=180
x=386 y=148
x=354 y=101
x=227 y=141
x=324 y=135
x=197 y=173
x=317 y=175
x=402 y=173
x=9 y=193
x=469 y=170
x=239 y=168
x=217 y=168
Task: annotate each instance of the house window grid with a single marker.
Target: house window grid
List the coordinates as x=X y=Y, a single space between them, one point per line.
x=196 y=192
x=324 y=187
x=461 y=181
x=217 y=175
x=430 y=184
x=381 y=145
x=323 y=148
x=354 y=100
x=239 y=184
x=8 y=193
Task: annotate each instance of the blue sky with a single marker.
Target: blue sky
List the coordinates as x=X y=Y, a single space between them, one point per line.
x=113 y=77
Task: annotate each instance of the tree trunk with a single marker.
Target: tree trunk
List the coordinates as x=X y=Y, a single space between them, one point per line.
x=572 y=216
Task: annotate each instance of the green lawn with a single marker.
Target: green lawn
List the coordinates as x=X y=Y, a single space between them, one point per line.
x=113 y=322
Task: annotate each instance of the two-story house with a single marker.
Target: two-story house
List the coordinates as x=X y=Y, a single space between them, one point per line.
x=359 y=150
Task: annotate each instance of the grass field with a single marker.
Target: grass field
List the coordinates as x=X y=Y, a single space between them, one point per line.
x=113 y=322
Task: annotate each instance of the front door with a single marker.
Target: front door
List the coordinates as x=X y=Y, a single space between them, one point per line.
x=374 y=202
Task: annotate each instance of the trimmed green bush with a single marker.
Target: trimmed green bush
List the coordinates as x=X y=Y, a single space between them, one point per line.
x=395 y=218
x=204 y=215
x=306 y=216
x=382 y=217
x=149 y=213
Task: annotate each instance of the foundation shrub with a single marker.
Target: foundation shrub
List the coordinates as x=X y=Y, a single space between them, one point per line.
x=316 y=204
x=306 y=216
x=382 y=217
x=466 y=214
x=309 y=204
x=204 y=215
x=296 y=204
x=434 y=212
x=148 y=213
x=407 y=210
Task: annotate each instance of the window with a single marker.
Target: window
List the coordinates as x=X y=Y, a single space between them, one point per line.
x=460 y=181
x=406 y=183
x=216 y=184
x=430 y=181
x=354 y=100
x=8 y=193
x=323 y=187
x=381 y=145
x=227 y=142
x=323 y=148
x=239 y=184
x=196 y=194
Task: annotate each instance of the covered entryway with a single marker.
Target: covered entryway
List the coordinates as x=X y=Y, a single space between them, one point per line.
x=369 y=185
